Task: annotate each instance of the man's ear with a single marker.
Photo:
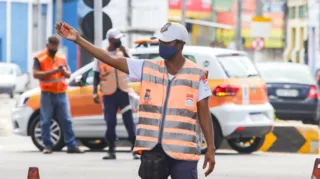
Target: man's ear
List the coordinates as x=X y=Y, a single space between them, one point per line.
x=180 y=46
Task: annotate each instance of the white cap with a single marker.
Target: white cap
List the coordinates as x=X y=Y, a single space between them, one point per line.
x=114 y=34
x=172 y=31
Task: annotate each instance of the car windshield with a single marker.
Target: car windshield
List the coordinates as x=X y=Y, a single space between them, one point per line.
x=6 y=70
x=279 y=73
x=237 y=66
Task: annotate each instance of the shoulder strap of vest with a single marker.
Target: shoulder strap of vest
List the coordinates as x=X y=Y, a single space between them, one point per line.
x=41 y=54
x=204 y=72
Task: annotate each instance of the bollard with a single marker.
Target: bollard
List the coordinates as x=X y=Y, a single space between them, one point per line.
x=33 y=173
x=316 y=169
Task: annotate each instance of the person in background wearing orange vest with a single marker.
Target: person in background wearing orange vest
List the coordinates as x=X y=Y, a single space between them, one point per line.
x=114 y=87
x=174 y=96
x=51 y=69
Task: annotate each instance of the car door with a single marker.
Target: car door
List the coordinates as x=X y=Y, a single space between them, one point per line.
x=87 y=116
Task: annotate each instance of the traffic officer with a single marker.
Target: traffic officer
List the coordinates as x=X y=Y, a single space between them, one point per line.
x=173 y=104
x=51 y=69
x=114 y=87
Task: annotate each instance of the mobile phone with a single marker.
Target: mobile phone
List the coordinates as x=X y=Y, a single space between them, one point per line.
x=64 y=30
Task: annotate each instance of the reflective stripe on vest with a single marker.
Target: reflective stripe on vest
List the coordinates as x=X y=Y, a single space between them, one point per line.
x=111 y=79
x=168 y=110
x=54 y=83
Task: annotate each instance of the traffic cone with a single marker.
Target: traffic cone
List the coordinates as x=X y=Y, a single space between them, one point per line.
x=316 y=169
x=33 y=173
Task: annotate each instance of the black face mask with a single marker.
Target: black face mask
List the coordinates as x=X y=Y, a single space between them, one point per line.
x=117 y=44
x=52 y=53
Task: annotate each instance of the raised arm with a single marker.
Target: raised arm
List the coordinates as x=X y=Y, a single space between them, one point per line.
x=68 y=32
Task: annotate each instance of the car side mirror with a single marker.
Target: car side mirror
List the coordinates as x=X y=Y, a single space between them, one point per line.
x=78 y=80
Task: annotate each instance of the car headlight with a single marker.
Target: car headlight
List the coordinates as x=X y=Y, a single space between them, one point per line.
x=21 y=101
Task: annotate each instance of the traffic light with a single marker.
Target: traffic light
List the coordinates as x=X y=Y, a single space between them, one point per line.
x=87 y=27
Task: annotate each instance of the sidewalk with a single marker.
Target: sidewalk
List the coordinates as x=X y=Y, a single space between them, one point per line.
x=6 y=105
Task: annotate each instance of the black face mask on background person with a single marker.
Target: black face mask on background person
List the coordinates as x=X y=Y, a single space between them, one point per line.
x=117 y=44
x=52 y=53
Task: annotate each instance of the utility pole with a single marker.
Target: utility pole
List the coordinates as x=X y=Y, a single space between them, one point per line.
x=98 y=23
x=129 y=22
x=59 y=14
x=258 y=56
x=238 y=27
x=183 y=12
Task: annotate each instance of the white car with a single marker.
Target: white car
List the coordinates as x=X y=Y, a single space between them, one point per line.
x=12 y=79
x=239 y=106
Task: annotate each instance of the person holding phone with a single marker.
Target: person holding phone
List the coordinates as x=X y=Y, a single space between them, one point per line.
x=51 y=69
x=174 y=95
x=114 y=88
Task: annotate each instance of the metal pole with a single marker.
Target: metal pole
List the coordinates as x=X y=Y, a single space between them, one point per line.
x=213 y=18
x=258 y=56
x=98 y=23
x=183 y=12
x=59 y=13
x=259 y=8
x=129 y=21
x=238 y=27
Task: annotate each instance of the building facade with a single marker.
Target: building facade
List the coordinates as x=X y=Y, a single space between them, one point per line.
x=20 y=32
x=297 y=31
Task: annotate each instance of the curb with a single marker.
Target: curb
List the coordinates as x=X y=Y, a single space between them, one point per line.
x=291 y=138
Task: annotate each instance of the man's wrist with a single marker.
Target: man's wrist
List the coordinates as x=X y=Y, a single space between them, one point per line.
x=211 y=147
x=78 y=39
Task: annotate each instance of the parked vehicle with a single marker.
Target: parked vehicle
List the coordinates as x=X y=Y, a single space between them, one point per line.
x=239 y=106
x=292 y=90
x=12 y=79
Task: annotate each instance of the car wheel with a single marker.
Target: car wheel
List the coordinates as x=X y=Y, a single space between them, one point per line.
x=217 y=137
x=246 y=145
x=56 y=134
x=94 y=144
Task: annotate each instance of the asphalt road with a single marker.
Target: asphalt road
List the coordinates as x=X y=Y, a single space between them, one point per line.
x=17 y=154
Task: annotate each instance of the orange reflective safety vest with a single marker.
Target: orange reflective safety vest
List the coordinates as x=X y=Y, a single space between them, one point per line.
x=54 y=83
x=112 y=79
x=168 y=110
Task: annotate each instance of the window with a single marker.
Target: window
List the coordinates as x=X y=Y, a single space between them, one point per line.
x=88 y=78
x=292 y=12
x=238 y=66
x=302 y=11
x=273 y=73
x=5 y=70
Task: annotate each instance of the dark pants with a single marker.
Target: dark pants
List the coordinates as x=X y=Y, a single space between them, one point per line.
x=111 y=104
x=56 y=106
x=155 y=164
